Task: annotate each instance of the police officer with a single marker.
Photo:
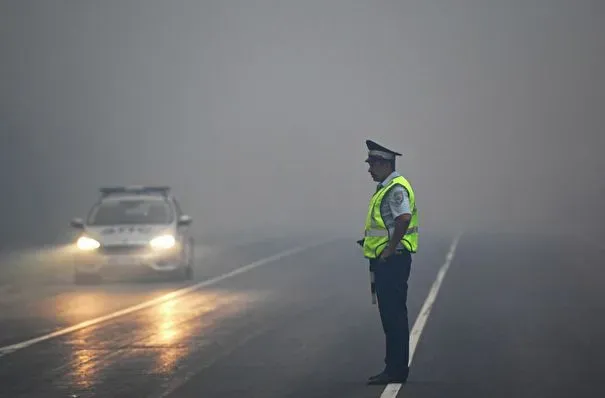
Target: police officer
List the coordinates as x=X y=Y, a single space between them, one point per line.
x=390 y=239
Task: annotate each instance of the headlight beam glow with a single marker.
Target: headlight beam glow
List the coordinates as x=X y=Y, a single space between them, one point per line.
x=86 y=243
x=163 y=242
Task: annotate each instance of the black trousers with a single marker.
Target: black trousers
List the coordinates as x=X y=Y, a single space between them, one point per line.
x=391 y=282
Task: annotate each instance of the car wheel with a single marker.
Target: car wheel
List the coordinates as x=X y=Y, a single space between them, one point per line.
x=185 y=273
x=189 y=273
x=182 y=274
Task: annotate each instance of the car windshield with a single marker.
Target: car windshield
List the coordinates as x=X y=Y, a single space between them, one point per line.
x=131 y=211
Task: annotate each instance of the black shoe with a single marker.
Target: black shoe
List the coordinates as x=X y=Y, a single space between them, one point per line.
x=385 y=378
x=378 y=375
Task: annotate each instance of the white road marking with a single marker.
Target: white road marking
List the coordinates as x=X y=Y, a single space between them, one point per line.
x=391 y=390
x=169 y=296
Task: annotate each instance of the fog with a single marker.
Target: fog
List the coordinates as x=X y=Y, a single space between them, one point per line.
x=256 y=112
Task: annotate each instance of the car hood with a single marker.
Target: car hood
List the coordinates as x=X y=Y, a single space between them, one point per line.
x=126 y=234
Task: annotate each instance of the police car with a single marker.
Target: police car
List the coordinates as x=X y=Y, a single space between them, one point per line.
x=131 y=230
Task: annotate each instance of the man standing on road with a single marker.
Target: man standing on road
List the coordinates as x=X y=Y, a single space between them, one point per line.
x=390 y=239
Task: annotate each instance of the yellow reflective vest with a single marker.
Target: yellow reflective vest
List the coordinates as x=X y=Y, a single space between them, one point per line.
x=376 y=235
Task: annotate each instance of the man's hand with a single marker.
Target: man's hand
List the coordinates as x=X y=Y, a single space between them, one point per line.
x=386 y=253
x=401 y=225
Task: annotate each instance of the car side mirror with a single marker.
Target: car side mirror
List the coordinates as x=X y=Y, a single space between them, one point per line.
x=184 y=220
x=77 y=223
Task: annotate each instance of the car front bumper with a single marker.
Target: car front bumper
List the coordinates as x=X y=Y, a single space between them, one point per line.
x=128 y=259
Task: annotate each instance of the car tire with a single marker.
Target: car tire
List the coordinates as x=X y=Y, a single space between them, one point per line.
x=190 y=261
x=185 y=273
x=182 y=274
x=188 y=273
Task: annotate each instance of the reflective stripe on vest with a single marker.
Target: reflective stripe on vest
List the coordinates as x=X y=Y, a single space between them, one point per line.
x=384 y=232
x=376 y=234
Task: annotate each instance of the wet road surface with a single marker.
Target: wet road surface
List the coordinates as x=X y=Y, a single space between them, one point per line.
x=514 y=316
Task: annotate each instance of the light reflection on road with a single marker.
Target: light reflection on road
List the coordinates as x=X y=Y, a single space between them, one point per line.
x=157 y=339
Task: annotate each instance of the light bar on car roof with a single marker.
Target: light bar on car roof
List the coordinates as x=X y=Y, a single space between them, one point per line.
x=134 y=189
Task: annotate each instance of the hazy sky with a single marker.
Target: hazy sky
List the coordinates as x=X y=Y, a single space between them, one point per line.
x=256 y=112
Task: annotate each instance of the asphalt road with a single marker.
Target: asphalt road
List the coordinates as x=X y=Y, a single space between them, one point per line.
x=514 y=316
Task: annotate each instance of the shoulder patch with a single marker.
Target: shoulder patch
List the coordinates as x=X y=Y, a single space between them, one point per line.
x=398 y=196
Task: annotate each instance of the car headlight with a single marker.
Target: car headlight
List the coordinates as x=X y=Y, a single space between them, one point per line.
x=86 y=243
x=163 y=242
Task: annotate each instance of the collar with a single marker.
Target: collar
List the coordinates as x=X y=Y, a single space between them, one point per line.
x=390 y=178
